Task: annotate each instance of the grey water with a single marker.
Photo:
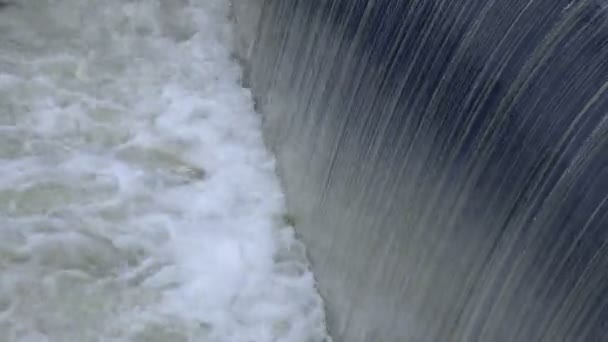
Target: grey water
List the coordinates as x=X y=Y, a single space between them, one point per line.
x=137 y=199
x=445 y=162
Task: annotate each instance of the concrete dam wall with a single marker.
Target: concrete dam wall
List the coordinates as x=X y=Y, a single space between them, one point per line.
x=445 y=162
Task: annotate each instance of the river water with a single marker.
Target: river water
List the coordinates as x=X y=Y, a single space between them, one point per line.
x=137 y=199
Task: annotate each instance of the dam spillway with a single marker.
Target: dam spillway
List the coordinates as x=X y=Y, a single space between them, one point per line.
x=445 y=162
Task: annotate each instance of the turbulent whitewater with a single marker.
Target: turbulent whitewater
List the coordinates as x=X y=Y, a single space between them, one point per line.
x=137 y=200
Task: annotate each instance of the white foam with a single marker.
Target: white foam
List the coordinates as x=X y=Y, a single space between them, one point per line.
x=137 y=200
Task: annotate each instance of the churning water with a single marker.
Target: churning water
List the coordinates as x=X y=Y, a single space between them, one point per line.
x=137 y=200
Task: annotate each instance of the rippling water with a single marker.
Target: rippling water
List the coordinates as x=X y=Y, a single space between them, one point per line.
x=137 y=201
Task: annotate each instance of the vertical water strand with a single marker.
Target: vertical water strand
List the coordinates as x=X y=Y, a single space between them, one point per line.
x=445 y=162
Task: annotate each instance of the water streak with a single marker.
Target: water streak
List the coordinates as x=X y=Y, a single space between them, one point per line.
x=446 y=162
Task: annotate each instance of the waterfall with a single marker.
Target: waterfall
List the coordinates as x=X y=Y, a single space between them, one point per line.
x=445 y=162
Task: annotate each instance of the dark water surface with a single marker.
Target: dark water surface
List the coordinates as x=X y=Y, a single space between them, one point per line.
x=446 y=162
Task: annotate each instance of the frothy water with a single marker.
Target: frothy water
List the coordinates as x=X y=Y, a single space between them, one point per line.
x=137 y=200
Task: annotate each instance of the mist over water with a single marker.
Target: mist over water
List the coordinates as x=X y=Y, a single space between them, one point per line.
x=137 y=200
